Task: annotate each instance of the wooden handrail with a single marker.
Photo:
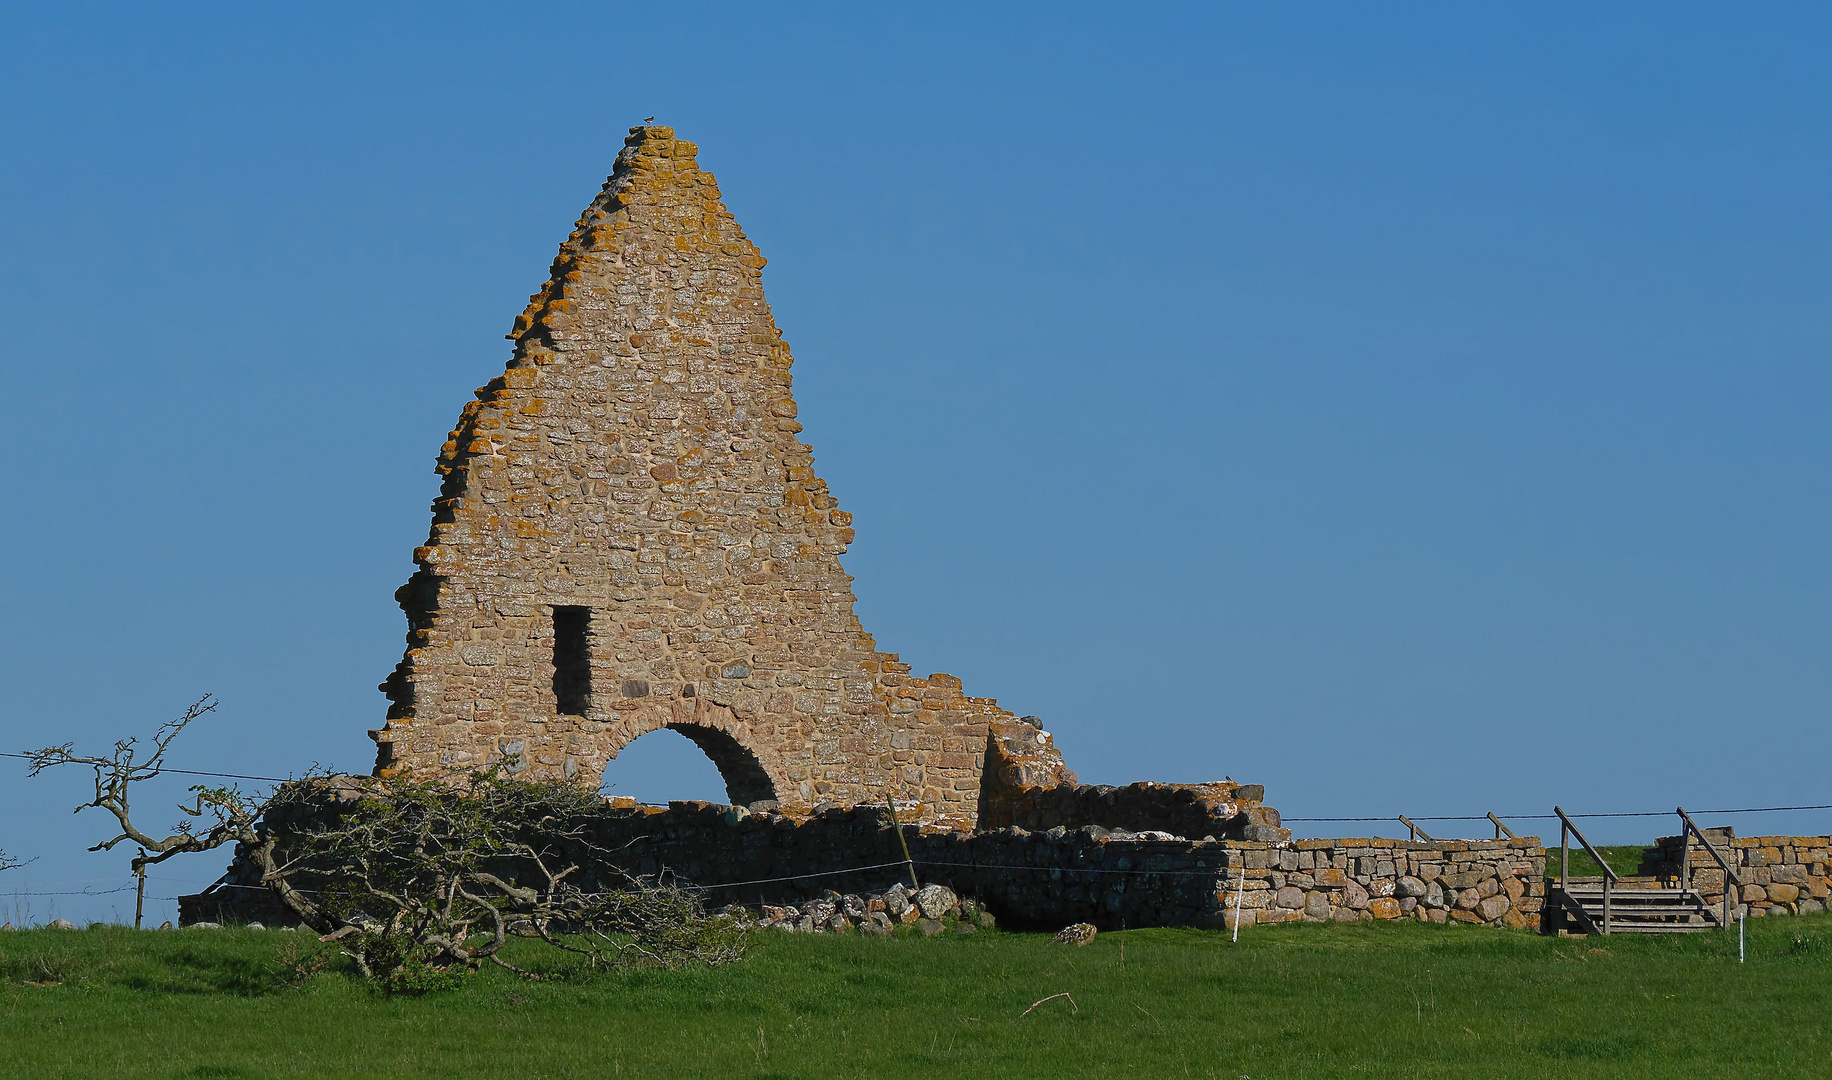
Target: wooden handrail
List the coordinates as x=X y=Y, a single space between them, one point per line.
x=1417 y=833
x=1594 y=853
x=1566 y=830
x=1709 y=846
x=1732 y=879
x=1501 y=827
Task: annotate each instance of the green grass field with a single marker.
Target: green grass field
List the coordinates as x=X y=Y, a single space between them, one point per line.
x=1302 y=1000
x=1625 y=861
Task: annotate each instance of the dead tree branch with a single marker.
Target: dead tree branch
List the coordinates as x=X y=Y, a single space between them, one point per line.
x=419 y=880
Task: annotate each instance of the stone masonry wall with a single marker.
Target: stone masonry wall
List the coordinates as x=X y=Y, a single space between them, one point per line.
x=1781 y=875
x=1194 y=811
x=1051 y=878
x=1026 y=784
x=631 y=535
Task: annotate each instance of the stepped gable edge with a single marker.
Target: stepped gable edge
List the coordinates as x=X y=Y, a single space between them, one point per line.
x=630 y=535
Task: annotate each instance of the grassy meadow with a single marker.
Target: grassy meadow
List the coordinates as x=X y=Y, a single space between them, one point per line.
x=1624 y=860
x=1299 y=1000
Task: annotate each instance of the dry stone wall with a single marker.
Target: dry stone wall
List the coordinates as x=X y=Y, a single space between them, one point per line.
x=1781 y=875
x=1037 y=879
x=1222 y=811
x=631 y=535
x=1492 y=882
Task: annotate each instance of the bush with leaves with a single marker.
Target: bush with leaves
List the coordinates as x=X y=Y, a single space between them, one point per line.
x=421 y=880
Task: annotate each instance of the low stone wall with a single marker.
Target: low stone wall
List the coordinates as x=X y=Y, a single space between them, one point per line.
x=1781 y=875
x=1026 y=785
x=1493 y=882
x=1047 y=879
x=1195 y=811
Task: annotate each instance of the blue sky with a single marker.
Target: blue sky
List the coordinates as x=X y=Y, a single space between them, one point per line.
x=1417 y=410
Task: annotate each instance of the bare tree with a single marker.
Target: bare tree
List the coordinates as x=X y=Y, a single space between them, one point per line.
x=418 y=880
x=8 y=862
x=225 y=813
x=419 y=877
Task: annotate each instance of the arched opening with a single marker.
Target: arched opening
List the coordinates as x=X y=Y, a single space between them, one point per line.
x=687 y=761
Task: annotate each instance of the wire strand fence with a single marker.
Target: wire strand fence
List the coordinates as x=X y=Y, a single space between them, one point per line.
x=813 y=875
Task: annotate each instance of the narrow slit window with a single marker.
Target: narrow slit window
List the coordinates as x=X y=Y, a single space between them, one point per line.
x=572 y=660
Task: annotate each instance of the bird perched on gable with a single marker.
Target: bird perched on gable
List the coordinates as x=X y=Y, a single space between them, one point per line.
x=648 y=119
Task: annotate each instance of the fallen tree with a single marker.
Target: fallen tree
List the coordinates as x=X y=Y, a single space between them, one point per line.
x=418 y=880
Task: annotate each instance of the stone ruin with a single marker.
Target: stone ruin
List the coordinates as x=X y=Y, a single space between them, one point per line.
x=630 y=535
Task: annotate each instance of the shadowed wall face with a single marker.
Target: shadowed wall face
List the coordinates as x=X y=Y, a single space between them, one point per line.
x=631 y=536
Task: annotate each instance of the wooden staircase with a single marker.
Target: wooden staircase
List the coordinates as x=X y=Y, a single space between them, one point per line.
x=1637 y=905
x=1613 y=904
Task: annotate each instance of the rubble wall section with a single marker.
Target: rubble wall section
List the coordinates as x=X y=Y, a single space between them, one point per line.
x=1222 y=811
x=1051 y=878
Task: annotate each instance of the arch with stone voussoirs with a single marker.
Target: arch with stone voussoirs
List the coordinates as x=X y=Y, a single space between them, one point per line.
x=720 y=734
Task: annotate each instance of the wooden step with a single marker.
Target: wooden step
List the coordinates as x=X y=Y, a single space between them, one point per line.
x=1672 y=897
x=1646 y=907
x=1657 y=928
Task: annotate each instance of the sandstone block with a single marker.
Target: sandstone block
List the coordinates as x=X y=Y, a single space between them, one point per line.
x=1384 y=907
x=1290 y=897
x=1316 y=905
x=1409 y=886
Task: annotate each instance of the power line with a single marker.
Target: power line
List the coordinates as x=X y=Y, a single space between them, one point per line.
x=1386 y=818
x=196 y=772
x=86 y=892
x=1553 y=817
